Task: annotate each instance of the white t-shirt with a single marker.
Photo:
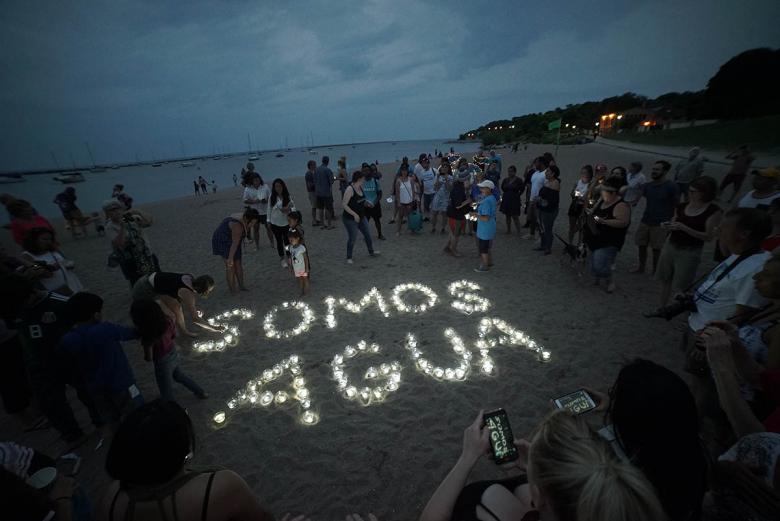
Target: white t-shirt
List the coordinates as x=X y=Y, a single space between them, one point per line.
x=275 y=214
x=263 y=192
x=427 y=178
x=634 y=189
x=751 y=201
x=717 y=301
x=537 y=182
x=418 y=170
x=62 y=276
x=298 y=254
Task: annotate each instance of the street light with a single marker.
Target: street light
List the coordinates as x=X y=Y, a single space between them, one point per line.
x=620 y=116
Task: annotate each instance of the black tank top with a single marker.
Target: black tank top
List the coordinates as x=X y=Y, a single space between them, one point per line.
x=695 y=222
x=605 y=236
x=355 y=204
x=170 y=283
x=551 y=197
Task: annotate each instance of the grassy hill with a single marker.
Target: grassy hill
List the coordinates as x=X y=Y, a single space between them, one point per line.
x=757 y=133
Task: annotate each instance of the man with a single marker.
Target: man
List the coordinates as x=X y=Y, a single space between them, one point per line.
x=372 y=192
x=662 y=195
x=537 y=181
x=311 y=188
x=765 y=189
x=39 y=316
x=426 y=176
x=687 y=170
x=739 y=169
x=635 y=180
x=323 y=183
x=235 y=180
x=729 y=290
x=495 y=158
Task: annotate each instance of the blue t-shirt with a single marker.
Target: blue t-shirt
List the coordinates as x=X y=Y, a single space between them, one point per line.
x=661 y=199
x=98 y=354
x=371 y=190
x=323 y=180
x=486 y=230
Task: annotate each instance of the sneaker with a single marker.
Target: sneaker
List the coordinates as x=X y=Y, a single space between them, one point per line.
x=350 y=261
x=374 y=254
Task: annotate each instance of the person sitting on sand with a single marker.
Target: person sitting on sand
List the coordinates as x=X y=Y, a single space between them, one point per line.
x=23 y=219
x=407 y=196
x=226 y=242
x=124 y=228
x=176 y=291
x=66 y=201
x=148 y=460
x=299 y=260
x=157 y=329
x=40 y=248
x=458 y=207
x=559 y=482
x=511 y=202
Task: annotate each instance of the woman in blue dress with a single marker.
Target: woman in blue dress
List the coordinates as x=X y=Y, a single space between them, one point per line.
x=226 y=242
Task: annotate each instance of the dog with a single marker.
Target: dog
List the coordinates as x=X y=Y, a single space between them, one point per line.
x=576 y=254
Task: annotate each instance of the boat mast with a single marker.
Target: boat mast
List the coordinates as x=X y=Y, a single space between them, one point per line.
x=57 y=163
x=90 y=154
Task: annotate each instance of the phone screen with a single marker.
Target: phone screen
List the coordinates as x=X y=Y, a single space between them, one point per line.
x=501 y=438
x=577 y=402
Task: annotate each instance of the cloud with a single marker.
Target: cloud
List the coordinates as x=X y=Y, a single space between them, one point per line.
x=141 y=76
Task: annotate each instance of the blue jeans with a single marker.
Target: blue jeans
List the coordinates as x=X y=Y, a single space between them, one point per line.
x=352 y=227
x=166 y=371
x=546 y=220
x=601 y=262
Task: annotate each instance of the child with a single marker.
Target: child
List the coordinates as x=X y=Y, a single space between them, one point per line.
x=157 y=328
x=486 y=224
x=94 y=347
x=294 y=221
x=300 y=260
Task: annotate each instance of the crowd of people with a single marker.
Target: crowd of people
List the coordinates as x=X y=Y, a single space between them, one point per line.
x=666 y=449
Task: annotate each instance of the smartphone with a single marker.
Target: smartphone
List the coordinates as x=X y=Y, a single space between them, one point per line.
x=577 y=402
x=501 y=439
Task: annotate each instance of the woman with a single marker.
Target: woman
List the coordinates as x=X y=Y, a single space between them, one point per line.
x=693 y=224
x=131 y=247
x=458 y=207
x=407 y=194
x=441 y=198
x=341 y=175
x=651 y=418
x=39 y=245
x=256 y=195
x=549 y=202
x=579 y=196
x=594 y=191
x=70 y=212
x=23 y=219
x=605 y=233
x=279 y=206
x=512 y=202
x=176 y=290
x=226 y=242
x=354 y=215
x=148 y=461
x=572 y=475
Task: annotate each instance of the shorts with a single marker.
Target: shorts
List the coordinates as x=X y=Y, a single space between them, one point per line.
x=373 y=212
x=677 y=266
x=484 y=246
x=325 y=203
x=653 y=236
x=427 y=200
x=312 y=199
x=457 y=225
x=301 y=274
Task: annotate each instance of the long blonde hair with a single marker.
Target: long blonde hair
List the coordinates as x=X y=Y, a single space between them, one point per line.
x=582 y=478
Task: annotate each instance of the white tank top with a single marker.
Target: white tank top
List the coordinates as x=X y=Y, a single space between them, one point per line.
x=405 y=192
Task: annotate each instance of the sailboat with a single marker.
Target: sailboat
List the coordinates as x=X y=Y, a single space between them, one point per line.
x=95 y=168
x=252 y=156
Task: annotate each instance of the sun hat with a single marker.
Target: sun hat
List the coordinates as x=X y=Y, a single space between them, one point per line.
x=486 y=184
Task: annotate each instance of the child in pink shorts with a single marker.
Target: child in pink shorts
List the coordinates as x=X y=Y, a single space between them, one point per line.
x=300 y=260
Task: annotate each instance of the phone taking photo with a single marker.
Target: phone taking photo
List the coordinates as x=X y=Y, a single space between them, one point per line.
x=502 y=441
x=578 y=402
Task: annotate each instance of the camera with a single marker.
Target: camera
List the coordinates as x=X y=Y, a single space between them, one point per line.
x=681 y=304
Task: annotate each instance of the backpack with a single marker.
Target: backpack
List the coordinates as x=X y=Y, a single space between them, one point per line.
x=415 y=221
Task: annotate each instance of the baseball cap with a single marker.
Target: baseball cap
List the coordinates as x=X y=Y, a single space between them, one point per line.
x=486 y=184
x=772 y=172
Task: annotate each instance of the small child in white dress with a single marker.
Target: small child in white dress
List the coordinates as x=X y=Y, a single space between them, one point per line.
x=300 y=260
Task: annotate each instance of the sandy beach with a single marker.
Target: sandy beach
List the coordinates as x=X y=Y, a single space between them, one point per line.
x=388 y=457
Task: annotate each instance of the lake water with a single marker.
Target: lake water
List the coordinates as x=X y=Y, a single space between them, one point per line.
x=148 y=184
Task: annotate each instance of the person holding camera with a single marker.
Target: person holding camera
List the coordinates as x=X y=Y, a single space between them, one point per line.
x=131 y=247
x=605 y=233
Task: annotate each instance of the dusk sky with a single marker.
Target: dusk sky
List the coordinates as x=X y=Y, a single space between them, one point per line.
x=158 y=79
